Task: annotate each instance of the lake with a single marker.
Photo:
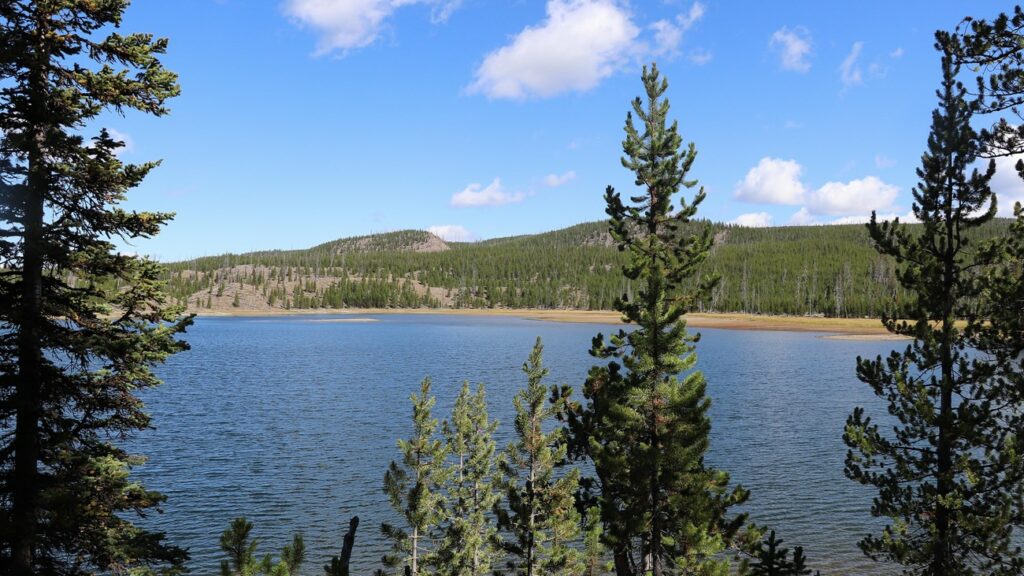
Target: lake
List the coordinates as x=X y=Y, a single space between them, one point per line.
x=292 y=421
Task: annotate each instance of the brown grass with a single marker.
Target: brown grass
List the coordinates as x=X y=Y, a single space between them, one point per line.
x=850 y=328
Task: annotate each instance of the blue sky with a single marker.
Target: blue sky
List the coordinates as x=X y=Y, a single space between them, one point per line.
x=301 y=121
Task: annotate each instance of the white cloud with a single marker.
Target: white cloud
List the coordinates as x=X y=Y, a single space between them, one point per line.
x=853 y=197
x=452 y=233
x=884 y=161
x=686 y=21
x=556 y=180
x=754 y=220
x=896 y=54
x=127 y=143
x=493 y=195
x=700 y=56
x=776 y=181
x=849 y=72
x=578 y=45
x=1007 y=184
x=443 y=10
x=772 y=181
x=793 y=46
x=802 y=217
x=668 y=35
x=344 y=25
x=864 y=219
x=581 y=43
x=853 y=220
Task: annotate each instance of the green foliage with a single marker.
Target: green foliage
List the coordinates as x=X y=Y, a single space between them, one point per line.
x=82 y=324
x=240 y=547
x=595 y=562
x=772 y=560
x=950 y=473
x=539 y=511
x=993 y=49
x=470 y=544
x=1001 y=337
x=413 y=488
x=645 y=429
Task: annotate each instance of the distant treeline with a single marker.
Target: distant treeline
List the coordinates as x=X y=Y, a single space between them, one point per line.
x=816 y=270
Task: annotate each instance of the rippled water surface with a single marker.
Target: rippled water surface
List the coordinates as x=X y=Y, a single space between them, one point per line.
x=291 y=422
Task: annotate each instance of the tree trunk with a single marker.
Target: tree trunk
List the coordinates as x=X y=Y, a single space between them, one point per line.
x=654 y=288
x=347 y=543
x=27 y=395
x=622 y=567
x=530 y=538
x=27 y=392
x=941 y=560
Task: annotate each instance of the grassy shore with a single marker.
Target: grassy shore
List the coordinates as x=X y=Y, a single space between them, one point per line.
x=845 y=328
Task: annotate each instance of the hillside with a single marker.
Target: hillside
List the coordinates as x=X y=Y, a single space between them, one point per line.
x=813 y=270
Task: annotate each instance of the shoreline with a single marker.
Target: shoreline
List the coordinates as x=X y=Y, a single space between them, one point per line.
x=834 y=328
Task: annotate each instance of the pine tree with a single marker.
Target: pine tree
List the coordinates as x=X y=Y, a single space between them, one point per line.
x=995 y=49
x=236 y=542
x=540 y=513
x=950 y=474
x=1001 y=338
x=770 y=559
x=240 y=548
x=594 y=552
x=83 y=324
x=413 y=489
x=645 y=429
x=470 y=543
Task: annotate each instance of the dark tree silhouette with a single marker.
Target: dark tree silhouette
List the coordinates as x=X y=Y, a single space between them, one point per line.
x=80 y=323
x=950 y=472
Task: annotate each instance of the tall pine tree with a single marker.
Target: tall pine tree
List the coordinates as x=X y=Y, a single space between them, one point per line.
x=540 y=513
x=413 y=488
x=470 y=546
x=949 y=474
x=644 y=428
x=81 y=323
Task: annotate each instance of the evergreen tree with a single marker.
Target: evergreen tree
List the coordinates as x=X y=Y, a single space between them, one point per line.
x=949 y=474
x=770 y=559
x=540 y=514
x=82 y=323
x=470 y=543
x=1001 y=337
x=645 y=429
x=413 y=489
x=594 y=552
x=236 y=542
x=240 y=548
x=995 y=49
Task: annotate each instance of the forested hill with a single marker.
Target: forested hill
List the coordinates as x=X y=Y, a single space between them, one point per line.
x=830 y=270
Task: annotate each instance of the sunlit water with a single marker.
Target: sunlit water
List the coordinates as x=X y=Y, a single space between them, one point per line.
x=292 y=421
